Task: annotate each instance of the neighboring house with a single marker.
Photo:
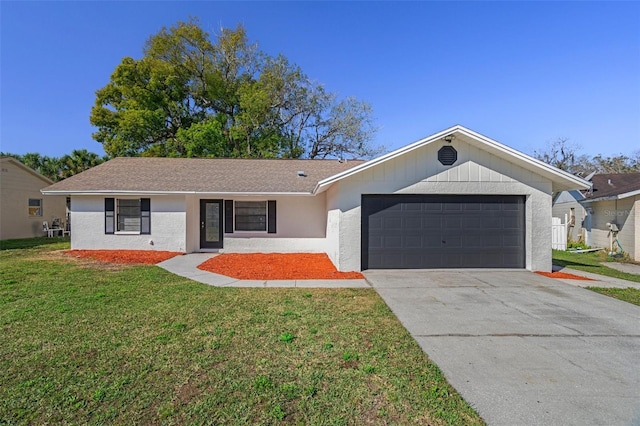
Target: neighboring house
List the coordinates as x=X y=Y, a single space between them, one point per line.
x=456 y=199
x=614 y=199
x=22 y=206
x=567 y=207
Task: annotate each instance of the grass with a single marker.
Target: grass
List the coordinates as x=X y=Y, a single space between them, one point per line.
x=88 y=343
x=630 y=295
x=591 y=262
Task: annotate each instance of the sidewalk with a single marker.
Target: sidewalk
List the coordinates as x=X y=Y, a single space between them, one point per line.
x=187 y=266
x=598 y=280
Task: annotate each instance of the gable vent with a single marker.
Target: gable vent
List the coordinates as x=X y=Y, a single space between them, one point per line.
x=447 y=155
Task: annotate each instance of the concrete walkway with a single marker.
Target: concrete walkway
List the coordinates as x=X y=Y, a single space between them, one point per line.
x=187 y=266
x=598 y=280
x=629 y=268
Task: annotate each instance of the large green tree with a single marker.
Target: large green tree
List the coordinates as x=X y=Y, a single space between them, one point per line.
x=189 y=96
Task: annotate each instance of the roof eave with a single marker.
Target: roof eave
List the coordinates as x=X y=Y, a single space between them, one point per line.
x=612 y=197
x=208 y=193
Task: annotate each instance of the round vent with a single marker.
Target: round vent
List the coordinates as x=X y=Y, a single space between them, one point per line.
x=447 y=155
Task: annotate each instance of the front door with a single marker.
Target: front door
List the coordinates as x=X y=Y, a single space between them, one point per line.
x=211 y=224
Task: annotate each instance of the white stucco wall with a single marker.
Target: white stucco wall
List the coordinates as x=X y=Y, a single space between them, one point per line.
x=168 y=225
x=300 y=224
x=17 y=186
x=475 y=172
x=625 y=213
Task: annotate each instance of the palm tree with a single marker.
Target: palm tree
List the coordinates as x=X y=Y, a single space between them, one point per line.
x=79 y=161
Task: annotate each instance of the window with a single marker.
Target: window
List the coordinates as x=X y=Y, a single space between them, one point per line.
x=35 y=207
x=127 y=215
x=251 y=215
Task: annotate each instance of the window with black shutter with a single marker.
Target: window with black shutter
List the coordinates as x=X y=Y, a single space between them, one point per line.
x=127 y=215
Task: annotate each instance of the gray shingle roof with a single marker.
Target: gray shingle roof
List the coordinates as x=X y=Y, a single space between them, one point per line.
x=612 y=184
x=202 y=175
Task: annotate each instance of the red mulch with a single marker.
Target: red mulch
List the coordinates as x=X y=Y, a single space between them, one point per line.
x=276 y=266
x=564 y=275
x=140 y=257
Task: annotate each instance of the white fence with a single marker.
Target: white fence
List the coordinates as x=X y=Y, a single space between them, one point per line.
x=558 y=234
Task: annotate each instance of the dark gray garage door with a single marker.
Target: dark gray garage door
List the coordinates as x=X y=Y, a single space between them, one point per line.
x=436 y=231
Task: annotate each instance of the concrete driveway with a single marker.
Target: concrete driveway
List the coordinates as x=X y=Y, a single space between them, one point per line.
x=523 y=349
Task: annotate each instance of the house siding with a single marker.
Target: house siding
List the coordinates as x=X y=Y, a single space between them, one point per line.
x=17 y=186
x=625 y=214
x=301 y=223
x=475 y=172
x=168 y=225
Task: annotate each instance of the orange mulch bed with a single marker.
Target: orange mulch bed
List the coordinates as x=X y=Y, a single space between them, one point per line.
x=276 y=266
x=139 y=257
x=564 y=275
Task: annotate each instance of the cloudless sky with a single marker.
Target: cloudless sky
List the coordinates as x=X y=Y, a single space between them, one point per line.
x=522 y=73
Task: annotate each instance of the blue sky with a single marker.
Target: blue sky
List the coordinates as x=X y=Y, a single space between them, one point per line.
x=523 y=73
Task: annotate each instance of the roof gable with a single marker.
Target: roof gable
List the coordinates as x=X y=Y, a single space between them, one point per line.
x=26 y=169
x=560 y=180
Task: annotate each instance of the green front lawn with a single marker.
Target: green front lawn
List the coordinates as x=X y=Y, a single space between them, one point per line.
x=591 y=262
x=82 y=342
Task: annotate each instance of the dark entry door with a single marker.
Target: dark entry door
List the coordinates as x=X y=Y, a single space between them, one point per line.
x=442 y=231
x=211 y=224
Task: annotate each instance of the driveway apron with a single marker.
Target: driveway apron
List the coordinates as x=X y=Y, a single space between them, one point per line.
x=523 y=349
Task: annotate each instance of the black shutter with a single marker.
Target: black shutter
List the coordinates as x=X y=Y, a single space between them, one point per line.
x=109 y=215
x=145 y=215
x=228 y=216
x=271 y=216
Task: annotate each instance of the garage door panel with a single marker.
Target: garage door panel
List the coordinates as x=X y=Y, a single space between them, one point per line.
x=392 y=222
x=375 y=242
x=511 y=223
x=452 y=222
x=491 y=206
x=375 y=223
x=413 y=241
x=432 y=222
x=452 y=207
x=472 y=241
x=492 y=222
x=392 y=241
x=470 y=223
x=408 y=207
x=446 y=231
x=432 y=241
x=413 y=223
x=452 y=241
x=512 y=241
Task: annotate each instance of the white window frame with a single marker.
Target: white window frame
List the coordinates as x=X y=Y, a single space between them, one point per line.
x=115 y=217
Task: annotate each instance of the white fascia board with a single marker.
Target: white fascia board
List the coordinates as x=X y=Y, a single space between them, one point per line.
x=568 y=179
x=629 y=194
x=235 y=194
